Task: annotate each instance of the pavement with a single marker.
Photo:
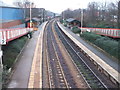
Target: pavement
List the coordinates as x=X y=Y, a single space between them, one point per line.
x=105 y=57
x=20 y=77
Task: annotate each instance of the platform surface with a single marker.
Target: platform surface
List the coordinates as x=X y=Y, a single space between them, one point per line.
x=21 y=75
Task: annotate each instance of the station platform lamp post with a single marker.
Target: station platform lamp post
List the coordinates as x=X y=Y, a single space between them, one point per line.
x=81 y=19
x=30 y=15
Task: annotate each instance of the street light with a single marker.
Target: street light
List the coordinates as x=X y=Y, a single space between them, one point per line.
x=81 y=16
x=81 y=19
x=30 y=15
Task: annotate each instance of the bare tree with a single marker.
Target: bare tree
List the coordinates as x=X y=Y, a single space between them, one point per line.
x=119 y=14
x=68 y=14
x=18 y=3
x=97 y=14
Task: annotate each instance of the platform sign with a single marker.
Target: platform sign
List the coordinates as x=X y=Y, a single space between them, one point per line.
x=2 y=40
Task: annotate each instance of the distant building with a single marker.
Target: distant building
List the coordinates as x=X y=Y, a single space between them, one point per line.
x=10 y=15
x=73 y=22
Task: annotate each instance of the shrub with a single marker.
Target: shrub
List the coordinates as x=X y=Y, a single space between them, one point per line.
x=107 y=44
x=11 y=51
x=75 y=29
x=90 y=36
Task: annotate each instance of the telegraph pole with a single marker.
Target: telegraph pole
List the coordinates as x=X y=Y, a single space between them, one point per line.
x=43 y=14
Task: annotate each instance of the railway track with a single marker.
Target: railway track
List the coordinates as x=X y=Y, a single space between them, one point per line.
x=88 y=74
x=58 y=73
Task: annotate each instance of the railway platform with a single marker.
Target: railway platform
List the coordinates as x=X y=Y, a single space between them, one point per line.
x=22 y=70
x=113 y=62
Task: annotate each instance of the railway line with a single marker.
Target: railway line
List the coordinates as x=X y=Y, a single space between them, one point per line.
x=59 y=75
x=57 y=72
x=90 y=77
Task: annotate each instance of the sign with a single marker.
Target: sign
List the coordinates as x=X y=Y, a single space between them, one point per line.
x=2 y=40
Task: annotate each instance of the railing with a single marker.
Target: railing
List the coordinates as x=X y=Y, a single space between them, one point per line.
x=115 y=33
x=7 y=35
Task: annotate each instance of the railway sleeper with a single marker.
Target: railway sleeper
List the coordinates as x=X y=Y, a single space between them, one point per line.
x=62 y=85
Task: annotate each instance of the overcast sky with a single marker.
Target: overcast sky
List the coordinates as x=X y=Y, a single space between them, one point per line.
x=58 y=6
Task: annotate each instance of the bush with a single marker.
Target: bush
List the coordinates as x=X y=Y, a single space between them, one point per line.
x=11 y=51
x=65 y=24
x=109 y=45
x=76 y=30
x=90 y=36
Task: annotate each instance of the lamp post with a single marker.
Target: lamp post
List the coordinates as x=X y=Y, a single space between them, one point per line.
x=30 y=14
x=81 y=20
x=81 y=17
x=43 y=12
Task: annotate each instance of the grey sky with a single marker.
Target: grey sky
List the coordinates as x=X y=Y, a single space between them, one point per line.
x=58 y=6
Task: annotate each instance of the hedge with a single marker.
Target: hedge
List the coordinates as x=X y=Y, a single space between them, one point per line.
x=109 y=45
x=11 y=50
x=76 y=30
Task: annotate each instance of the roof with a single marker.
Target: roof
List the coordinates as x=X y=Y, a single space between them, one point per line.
x=36 y=19
x=70 y=20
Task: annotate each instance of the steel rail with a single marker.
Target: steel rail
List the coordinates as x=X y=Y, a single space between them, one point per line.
x=83 y=62
x=58 y=66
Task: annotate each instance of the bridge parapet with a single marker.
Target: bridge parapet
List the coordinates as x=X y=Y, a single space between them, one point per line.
x=7 y=35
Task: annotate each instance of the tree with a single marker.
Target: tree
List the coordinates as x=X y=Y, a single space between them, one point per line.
x=119 y=14
x=68 y=14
